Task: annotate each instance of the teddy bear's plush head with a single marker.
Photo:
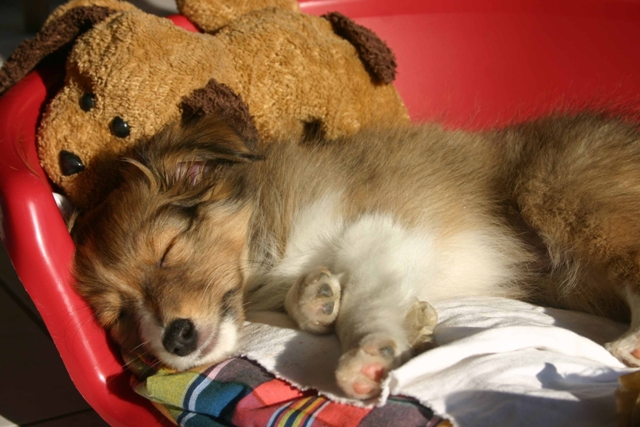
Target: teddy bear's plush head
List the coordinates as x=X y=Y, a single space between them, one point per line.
x=271 y=73
x=123 y=83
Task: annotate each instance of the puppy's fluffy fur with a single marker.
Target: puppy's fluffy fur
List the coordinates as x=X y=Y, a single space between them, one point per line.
x=346 y=235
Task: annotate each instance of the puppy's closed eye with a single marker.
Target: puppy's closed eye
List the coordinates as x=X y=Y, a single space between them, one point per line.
x=172 y=222
x=111 y=315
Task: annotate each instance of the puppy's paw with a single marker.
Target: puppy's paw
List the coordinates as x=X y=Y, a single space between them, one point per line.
x=361 y=370
x=419 y=324
x=314 y=301
x=626 y=349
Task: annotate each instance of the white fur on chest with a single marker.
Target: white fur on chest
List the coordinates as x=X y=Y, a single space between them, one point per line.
x=379 y=257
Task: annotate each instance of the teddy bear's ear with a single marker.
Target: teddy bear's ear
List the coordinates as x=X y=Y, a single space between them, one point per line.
x=56 y=35
x=218 y=99
x=377 y=57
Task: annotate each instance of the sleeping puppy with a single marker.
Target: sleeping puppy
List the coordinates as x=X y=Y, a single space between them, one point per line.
x=346 y=236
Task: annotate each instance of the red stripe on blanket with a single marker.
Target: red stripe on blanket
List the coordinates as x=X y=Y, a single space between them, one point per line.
x=276 y=402
x=338 y=414
x=258 y=407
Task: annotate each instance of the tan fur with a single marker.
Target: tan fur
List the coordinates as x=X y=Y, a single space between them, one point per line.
x=555 y=202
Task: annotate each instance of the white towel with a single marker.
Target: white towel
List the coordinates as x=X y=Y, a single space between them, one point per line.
x=499 y=362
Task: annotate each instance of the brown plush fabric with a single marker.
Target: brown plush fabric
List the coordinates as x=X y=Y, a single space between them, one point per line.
x=376 y=56
x=52 y=38
x=114 y=5
x=295 y=75
x=217 y=98
x=211 y=15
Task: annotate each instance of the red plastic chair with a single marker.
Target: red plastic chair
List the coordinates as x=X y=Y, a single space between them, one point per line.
x=462 y=62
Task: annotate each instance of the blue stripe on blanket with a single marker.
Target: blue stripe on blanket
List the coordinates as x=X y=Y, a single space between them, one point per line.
x=207 y=400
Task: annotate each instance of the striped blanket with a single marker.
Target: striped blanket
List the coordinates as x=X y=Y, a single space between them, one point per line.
x=238 y=392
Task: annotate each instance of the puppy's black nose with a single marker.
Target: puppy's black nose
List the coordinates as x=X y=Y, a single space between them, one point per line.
x=70 y=164
x=180 y=337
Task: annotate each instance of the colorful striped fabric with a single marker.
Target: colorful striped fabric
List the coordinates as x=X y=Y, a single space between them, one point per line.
x=237 y=392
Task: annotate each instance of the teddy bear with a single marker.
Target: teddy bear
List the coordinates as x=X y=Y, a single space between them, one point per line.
x=270 y=70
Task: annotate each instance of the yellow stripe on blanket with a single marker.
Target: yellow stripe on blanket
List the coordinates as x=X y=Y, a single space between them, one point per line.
x=301 y=410
x=168 y=387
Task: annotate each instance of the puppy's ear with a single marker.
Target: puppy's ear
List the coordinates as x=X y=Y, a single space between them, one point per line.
x=189 y=154
x=192 y=172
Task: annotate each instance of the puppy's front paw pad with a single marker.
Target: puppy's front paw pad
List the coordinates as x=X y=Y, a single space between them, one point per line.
x=314 y=302
x=362 y=369
x=626 y=349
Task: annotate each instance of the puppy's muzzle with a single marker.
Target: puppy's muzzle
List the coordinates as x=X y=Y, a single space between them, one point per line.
x=180 y=337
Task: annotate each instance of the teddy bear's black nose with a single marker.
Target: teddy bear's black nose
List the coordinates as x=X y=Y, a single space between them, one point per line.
x=180 y=337
x=70 y=164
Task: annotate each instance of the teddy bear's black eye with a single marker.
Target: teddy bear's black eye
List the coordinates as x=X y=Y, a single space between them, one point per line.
x=88 y=101
x=119 y=127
